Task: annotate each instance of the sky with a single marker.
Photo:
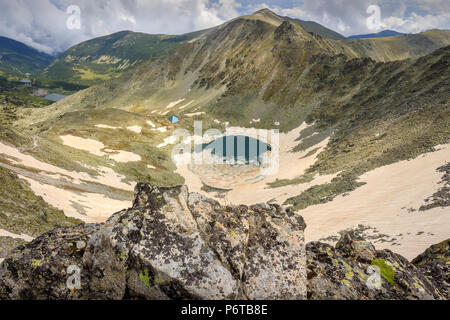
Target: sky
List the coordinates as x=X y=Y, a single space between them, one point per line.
x=53 y=26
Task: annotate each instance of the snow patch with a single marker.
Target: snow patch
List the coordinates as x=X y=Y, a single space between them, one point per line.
x=186 y=105
x=4 y=233
x=174 y=103
x=105 y=126
x=123 y=156
x=136 y=129
x=151 y=124
x=167 y=141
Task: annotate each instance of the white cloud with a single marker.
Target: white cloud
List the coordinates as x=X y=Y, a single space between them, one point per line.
x=415 y=23
x=42 y=23
x=340 y=15
x=349 y=16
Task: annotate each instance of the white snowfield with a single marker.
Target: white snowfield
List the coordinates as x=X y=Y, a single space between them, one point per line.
x=194 y=114
x=99 y=149
x=385 y=203
x=186 y=105
x=136 y=129
x=24 y=237
x=168 y=141
x=89 y=145
x=105 y=126
x=96 y=206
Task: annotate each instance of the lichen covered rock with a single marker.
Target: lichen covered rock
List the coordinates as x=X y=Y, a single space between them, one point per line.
x=354 y=270
x=173 y=244
x=435 y=264
x=169 y=245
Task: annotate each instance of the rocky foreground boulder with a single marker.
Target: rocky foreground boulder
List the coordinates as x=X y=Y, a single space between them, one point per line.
x=169 y=245
x=353 y=269
x=173 y=244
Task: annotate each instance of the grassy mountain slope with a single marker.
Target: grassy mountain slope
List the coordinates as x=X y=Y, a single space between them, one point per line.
x=378 y=113
x=243 y=60
x=314 y=27
x=401 y=110
x=21 y=211
x=243 y=63
x=15 y=94
x=18 y=58
x=102 y=58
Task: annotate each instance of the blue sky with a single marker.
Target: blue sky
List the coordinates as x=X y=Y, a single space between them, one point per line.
x=43 y=23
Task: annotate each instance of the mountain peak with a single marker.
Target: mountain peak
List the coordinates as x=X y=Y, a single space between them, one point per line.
x=266 y=15
x=265 y=11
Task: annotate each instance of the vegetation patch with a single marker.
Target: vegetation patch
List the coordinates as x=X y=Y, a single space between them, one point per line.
x=21 y=211
x=387 y=272
x=344 y=182
x=8 y=243
x=305 y=178
x=144 y=277
x=440 y=198
x=36 y=263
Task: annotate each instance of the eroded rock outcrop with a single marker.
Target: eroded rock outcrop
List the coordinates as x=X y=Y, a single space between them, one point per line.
x=435 y=264
x=354 y=270
x=169 y=245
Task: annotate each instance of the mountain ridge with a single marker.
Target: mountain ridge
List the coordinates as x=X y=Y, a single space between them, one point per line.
x=381 y=34
x=105 y=57
x=18 y=58
x=99 y=59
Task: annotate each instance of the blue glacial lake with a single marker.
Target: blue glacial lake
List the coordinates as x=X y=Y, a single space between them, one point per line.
x=54 y=97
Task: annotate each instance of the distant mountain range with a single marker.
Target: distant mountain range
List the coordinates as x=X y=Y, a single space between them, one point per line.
x=106 y=57
x=18 y=58
x=382 y=34
x=99 y=59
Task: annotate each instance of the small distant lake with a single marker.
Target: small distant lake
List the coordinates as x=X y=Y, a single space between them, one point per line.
x=54 y=97
x=238 y=147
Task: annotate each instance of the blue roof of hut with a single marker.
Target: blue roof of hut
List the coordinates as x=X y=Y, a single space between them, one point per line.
x=173 y=119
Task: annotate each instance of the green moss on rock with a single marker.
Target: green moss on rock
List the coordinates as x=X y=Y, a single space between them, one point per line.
x=387 y=272
x=143 y=276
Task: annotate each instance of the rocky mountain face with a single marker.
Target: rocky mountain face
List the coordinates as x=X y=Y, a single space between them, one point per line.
x=173 y=244
x=354 y=270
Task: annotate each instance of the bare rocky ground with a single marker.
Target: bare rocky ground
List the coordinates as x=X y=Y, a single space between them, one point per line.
x=173 y=244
